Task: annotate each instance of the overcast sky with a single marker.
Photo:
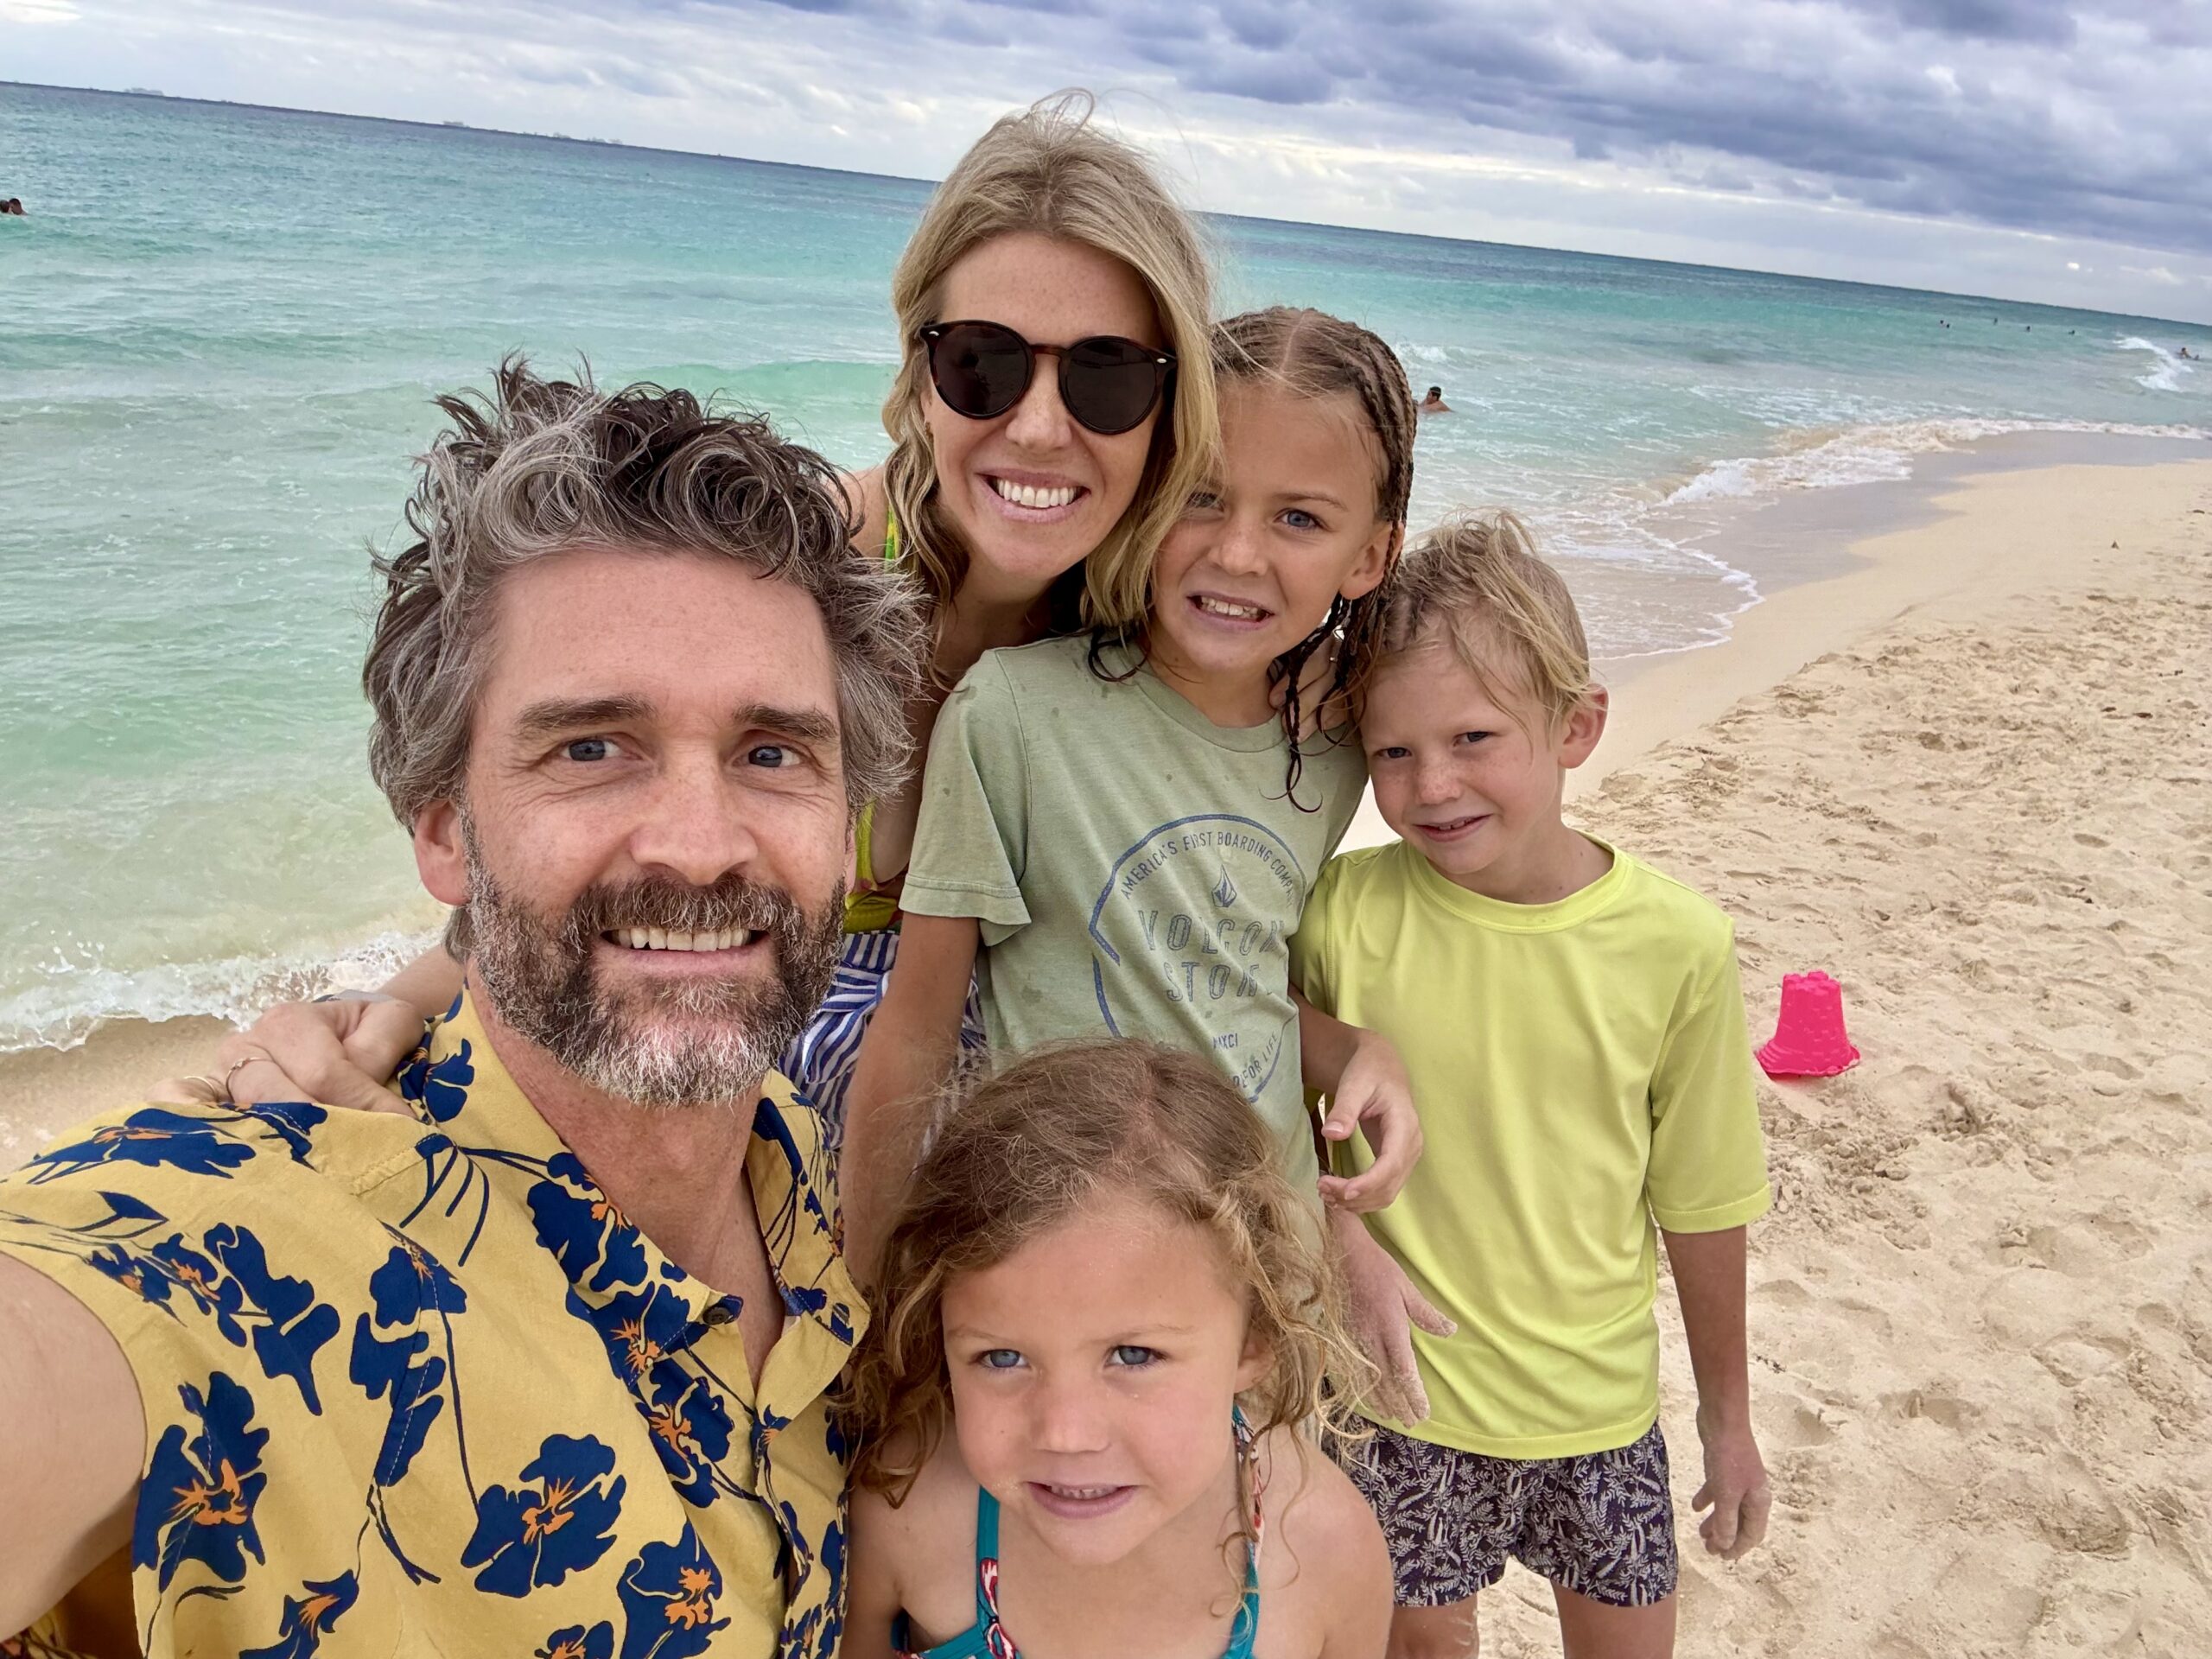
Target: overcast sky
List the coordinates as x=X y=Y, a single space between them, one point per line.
x=2046 y=150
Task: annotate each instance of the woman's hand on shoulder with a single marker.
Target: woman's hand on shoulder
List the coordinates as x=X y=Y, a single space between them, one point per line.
x=335 y=1053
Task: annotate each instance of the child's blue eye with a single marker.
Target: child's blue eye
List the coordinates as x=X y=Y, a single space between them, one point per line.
x=1297 y=519
x=1472 y=737
x=999 y=1359
x=1130 y=1354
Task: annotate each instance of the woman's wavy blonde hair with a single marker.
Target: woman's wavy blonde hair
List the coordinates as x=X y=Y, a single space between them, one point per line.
x=1021 y=1151
x=1050 y=171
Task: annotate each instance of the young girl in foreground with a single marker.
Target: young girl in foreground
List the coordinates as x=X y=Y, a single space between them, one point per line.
x=1123 y=828
x=1099 y=1324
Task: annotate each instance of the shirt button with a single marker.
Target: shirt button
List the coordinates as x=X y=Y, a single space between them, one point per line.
x=716 y=1316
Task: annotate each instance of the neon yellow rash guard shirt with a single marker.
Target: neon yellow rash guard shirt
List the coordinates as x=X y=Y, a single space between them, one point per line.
x=1582 y=1070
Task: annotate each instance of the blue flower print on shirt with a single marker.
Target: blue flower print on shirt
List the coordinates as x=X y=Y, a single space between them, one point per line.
x=411 y=1282
x=578 y=1642
x=200 y=1279
x=230 y=1281
x=154 y=1138
x=196 y=1501
x=126 y=1206
x=781 y=1229
x=140 y=1275
x=647 y=1334
x=292 y=1120
x=692 y=1429
x=536 y=1536
x=640 y=1328
x=581 y=1225
x=816 y=1634
x=442 y=1087
x=668 y=1600
x=290 y=1327
x=307 y=1619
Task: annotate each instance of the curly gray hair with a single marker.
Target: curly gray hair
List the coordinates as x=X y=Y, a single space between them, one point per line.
x=537 y=467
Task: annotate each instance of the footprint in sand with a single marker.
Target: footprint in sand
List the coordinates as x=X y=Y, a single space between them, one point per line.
x=1935 y=1405
x=2074 y=1360
x=1806 y=1425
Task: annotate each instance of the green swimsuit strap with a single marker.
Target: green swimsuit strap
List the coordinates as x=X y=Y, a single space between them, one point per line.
x=987 y=1639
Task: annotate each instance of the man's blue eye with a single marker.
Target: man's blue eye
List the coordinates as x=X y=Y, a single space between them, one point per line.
x=1130 y=1354
x=768 y=755
x=589 y=748
x=999 y=1359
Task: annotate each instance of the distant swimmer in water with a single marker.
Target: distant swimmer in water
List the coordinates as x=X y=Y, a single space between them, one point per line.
x=14 y=205
x=1434 y=404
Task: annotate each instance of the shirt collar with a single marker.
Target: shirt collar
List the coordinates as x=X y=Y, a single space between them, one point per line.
x=454 y=1083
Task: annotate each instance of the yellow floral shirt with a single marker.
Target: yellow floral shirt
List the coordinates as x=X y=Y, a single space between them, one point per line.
x=416 y=1386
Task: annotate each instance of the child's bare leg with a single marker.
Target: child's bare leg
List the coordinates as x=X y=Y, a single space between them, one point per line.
x=1591 y=1630
x=1446 y=1632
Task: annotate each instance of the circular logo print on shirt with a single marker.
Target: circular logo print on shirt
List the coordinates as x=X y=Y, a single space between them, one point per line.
x=1190 y=918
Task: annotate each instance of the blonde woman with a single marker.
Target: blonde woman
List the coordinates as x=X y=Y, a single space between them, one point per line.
x=1053 y=410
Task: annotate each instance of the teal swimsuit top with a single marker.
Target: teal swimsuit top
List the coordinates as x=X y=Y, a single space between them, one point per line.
x=987 y=1638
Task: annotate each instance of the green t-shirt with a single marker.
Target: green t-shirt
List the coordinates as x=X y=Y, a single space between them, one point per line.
x=1137 y=870
x=1581 y=1068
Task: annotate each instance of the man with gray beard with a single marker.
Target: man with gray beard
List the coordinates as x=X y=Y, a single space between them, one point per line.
x=538 y=1362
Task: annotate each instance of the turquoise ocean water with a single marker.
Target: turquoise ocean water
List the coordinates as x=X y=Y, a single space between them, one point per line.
x=219 y=325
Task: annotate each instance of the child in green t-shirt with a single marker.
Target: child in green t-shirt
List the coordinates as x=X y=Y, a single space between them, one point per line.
x=1118 y=833
x=1575 y=1031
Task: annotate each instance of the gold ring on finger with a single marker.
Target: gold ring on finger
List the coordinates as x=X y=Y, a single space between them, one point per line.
x=236 y=1065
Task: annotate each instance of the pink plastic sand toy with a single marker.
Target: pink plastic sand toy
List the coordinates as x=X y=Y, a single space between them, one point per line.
x=1808 y=1039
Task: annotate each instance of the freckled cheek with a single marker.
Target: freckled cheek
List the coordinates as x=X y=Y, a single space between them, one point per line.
x=1179 y=1440
x=1121 y=466
x=1185 y=545
x=991 y=1427
x=1394 y=794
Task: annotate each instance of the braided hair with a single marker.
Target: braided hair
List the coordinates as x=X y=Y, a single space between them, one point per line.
x=1310 y=353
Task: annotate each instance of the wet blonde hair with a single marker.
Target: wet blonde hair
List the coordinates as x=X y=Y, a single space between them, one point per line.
x=1479 y=578
x=1019 y=1154
x=1051 y=172
x=1309 y=353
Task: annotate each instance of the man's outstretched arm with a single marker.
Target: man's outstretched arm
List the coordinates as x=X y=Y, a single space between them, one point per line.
x=72 y=1438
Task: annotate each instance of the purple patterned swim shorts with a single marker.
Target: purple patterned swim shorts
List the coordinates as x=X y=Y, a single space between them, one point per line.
x=1601 y=1525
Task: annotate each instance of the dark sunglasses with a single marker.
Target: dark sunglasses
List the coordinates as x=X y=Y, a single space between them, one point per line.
x=983 y=369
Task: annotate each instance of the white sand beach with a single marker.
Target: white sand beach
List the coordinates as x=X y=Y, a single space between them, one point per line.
x=1981 y=1311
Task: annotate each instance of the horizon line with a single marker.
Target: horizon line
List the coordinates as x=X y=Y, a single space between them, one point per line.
x=155 y=95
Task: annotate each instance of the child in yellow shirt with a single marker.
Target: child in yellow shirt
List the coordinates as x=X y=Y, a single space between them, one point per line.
x=1574 y=1030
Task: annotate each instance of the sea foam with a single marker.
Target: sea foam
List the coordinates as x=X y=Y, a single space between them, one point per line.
x=2166 y=369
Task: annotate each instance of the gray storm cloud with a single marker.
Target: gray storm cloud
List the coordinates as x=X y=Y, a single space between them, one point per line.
x=2067 y=141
